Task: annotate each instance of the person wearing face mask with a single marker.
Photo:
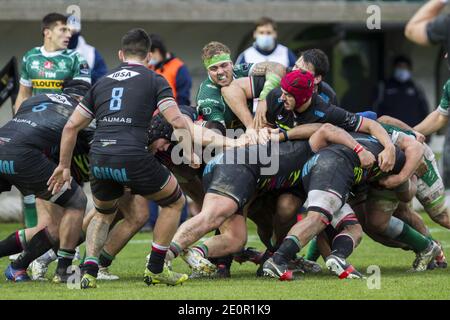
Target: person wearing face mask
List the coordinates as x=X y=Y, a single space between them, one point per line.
x=78 y=43
x=400 y=97
x=266 y=47
x=172 y=69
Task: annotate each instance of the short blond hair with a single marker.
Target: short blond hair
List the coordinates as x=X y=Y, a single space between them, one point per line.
x=213 y=48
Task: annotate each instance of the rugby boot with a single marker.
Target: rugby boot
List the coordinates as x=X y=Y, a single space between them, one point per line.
x=248 y=254
x=341 y=268
x=424 y=257
x=16 y=275
x=201 y=267
x=278 y=271
x=168 y=277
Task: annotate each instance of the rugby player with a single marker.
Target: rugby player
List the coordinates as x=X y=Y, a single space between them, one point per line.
x=327 y=179
x=37 y=128
x=231 y=182
x=43 y=70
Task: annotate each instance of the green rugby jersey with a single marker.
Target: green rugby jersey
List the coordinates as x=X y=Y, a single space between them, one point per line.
x=445 y=99
x=212 y=106
x=45 y=71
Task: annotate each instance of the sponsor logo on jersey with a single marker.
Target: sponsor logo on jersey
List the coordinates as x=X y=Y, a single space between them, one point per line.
x=48 y=74
x=117 y=119
x=35 y=65
x=26 y=121
x=48 y=65
x=59 y=99
x=106 y=143
x=123 y=74
x=47 y=84
x=62 y=64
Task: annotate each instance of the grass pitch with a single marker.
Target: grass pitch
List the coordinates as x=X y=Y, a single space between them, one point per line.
x=395 y=281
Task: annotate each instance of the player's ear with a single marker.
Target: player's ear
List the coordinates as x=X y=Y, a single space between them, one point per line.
x=317 y=79
x=148 y=57
x=120 y=55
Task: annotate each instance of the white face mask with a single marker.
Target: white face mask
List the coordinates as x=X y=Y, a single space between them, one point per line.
x=153 y=62
x=402 y=75
x=265 y=42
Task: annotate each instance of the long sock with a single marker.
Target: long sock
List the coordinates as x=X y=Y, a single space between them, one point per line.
x=288 y=250
x=38 y=245
x=313 y=251
x=105 y=259
x=203 y=249
x=157 y=256
x=65 y=258
x=174 y=249
x=11 y=244
x=90 y=266
x=48 y=257
x=342 y=246
x=414 y=239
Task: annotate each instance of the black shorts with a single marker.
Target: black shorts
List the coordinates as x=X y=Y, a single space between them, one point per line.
x=26 y=168
x=110 y=174
x=327 y=171
x=327 y=176
x=231 y=180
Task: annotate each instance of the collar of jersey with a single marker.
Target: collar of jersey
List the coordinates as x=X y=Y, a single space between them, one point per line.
x=134 y=63
x=45 y=53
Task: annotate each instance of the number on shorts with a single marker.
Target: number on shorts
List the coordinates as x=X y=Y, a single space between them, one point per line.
x=116 y=101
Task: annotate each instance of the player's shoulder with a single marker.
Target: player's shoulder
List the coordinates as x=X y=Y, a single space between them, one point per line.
x=32 y=53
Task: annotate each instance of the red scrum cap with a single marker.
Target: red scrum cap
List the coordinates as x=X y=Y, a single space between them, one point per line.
x=300 y=84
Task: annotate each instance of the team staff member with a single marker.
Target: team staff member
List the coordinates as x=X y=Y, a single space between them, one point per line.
x=172 y=69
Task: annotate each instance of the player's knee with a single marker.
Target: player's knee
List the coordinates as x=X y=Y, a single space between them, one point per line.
x=286 y=209
x=175 y=200
x=73 y=198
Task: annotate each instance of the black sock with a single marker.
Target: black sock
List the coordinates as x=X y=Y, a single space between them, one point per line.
x=342 y=246
x=65 y=258
x=105 y=259
x=287 y=250
x=38 y=245
x=10 y=245
x=157 y=256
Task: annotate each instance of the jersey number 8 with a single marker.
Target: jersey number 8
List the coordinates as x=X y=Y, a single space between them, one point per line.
x=116 y=101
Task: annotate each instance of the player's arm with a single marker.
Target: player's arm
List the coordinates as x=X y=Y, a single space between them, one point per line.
x=328 y=134
x=432 y=123
x=236 y=95
x=413 y=153
x=24 y=93
x=183 y=128
x=386 y=159
x=26 y=85
x=398 y=123
x=416 y=28
x=80 y=119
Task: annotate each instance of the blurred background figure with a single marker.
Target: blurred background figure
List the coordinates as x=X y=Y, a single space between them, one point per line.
x=266 y=47
x=399 y=96
x=93 y=57
x=172 y=69
x=359 y=93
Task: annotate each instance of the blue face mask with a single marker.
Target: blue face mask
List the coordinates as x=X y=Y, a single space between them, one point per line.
x=402 y=75
x=265 y=42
